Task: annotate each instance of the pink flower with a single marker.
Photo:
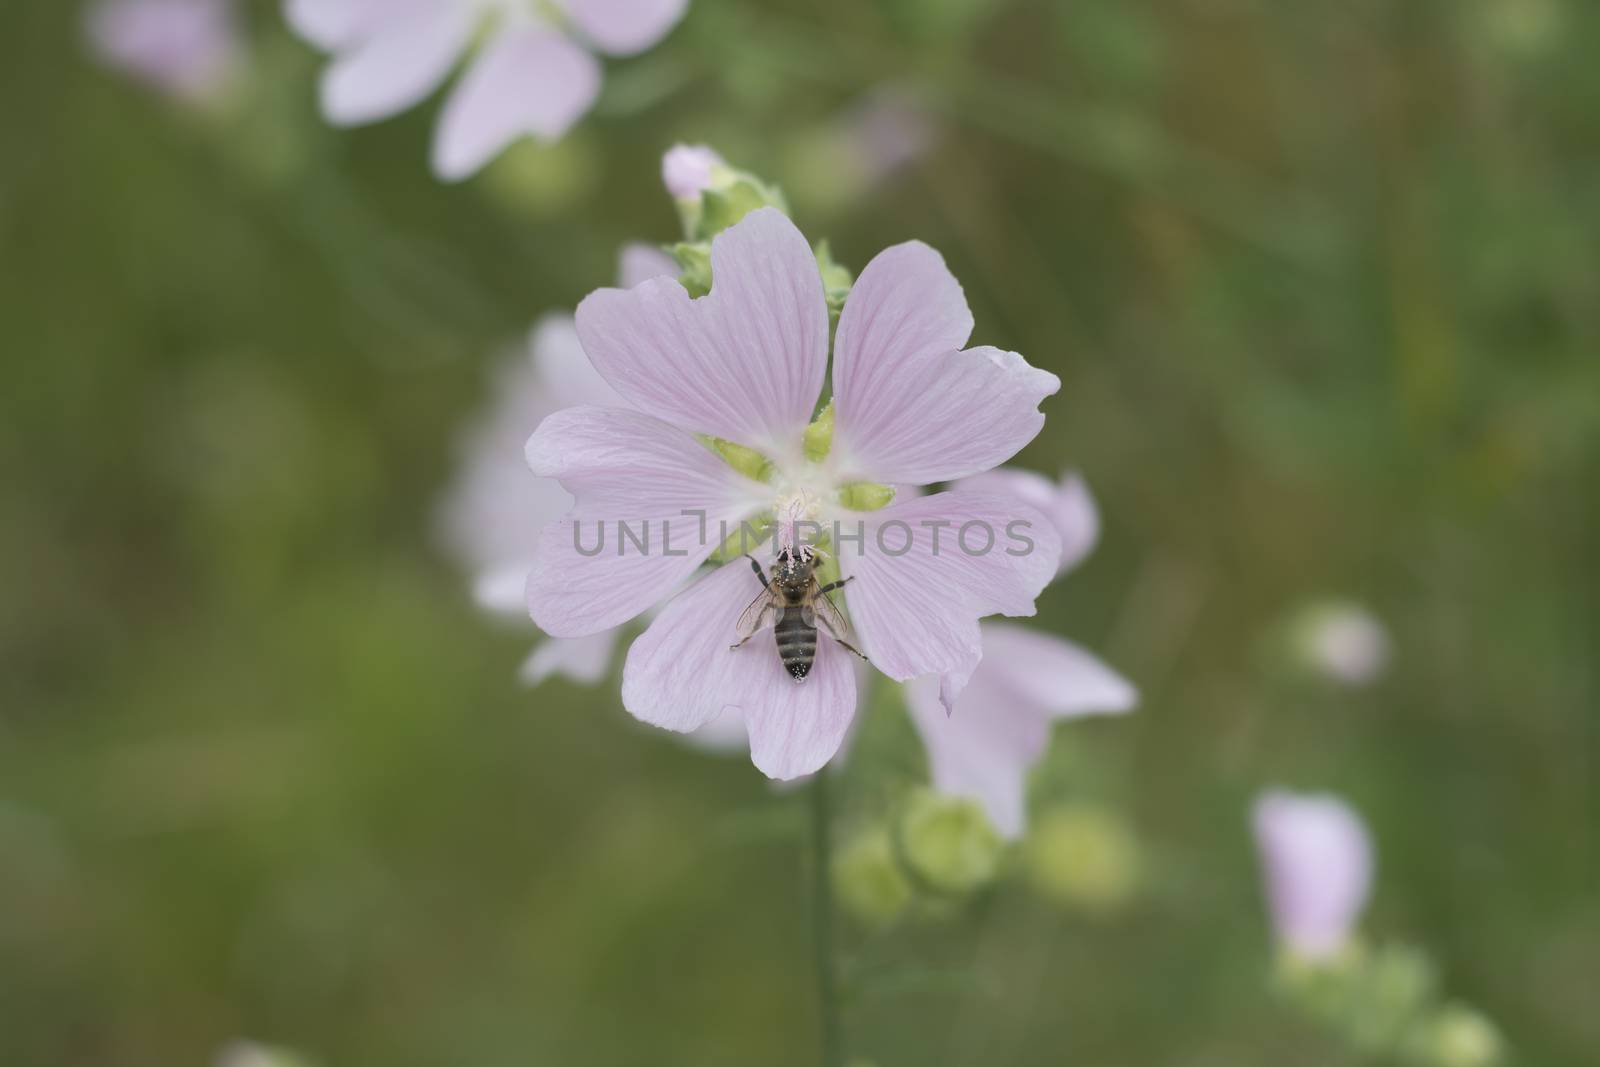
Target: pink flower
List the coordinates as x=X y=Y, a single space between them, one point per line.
x=686 y=170
x=746 y=364
x=1316 y=857
x=533 y=76
x=1343 y=642
x=1000 y=724
x=186 y=48
x=493 y=514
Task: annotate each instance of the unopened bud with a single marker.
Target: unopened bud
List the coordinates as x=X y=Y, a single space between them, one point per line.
x=868 y=880
x=1083 y=857
x=1460 y=1037
x=949 y=843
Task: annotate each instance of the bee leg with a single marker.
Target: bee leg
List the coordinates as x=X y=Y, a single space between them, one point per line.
x=761 y=574
x=831 y=586
x=853 y=648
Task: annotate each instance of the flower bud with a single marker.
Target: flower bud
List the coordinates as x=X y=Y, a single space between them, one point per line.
x=1083 y=857
x=686 y=170
x=1460 y=1037
x=948 y=842
x=1316 y=860
x=250 y=1054
x=868 y=880
x=711 y=196
x=1342 y=642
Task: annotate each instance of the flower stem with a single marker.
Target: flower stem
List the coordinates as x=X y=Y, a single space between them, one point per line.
x=822 y=923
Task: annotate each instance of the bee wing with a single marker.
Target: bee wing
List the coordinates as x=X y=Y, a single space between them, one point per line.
x=831 y=619
x=762 y=613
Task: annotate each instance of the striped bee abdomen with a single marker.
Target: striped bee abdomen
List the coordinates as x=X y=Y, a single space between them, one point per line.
x=797 y=643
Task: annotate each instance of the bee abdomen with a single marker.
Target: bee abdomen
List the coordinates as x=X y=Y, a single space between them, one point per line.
x=797 y=645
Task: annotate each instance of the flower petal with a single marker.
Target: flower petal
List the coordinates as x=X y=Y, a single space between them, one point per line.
x=745 y=362
x=183 y=47
x=681 y=674
x=492 y=515
x=397 y=66
x=641 y=262
x=530 y=80
x=966 y=554
x=686 y=170
x=999 y=726
x=1317 y=860
x=565 y=373
x=983 y=751
x=1057 y=677
x=336 y=24
x=1067 y=504
x=583 y=659
x=625 y=467
x=909 y=405
x=624 y=27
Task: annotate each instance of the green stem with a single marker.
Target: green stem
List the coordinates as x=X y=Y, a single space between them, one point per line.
x=822 y=923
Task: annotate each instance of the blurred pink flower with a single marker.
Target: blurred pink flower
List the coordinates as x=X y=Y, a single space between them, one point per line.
x=1316 y=858
x=186 y=48
x=886 y=131
x=533 y=74
x=746 y=364
x=999 y=726
x=493 y=513
x=686 y=170
x=1344 y=642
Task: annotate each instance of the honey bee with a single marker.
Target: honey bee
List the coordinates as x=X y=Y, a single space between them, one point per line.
x=794 y=603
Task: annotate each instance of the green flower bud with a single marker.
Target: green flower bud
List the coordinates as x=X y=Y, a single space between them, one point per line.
x=948 y=842
x=868 y=879
x=819 y=435
x=1387 y=994
x=865 y=496
x=715 y=195
x=747 y=461
x=1083 y=857
x=836 y=279
x=1461 y=1037
x=694 y=266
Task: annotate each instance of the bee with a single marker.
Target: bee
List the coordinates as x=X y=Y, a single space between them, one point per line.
x=794 y=603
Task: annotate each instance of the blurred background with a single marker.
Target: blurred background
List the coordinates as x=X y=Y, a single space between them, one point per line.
x=1320 y=281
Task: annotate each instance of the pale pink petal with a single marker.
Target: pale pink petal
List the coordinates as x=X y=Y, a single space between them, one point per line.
x=625 y=466
x=338 y=24
x=745 y=362
x=504 y=590
x=396 y=67
x=529 y=81
x=983 y=751
x=624 y=27
x=999 y=726
x=1316 y=857
x=724 y=734
x=641 y=262
x=493 y=514
x=1055 y=676
x=1067 y=504
x=582 y=659
x=917 y=611
x=686 y=170
x=909 y=405
x=183 y=47
x=681 y=674
x=565 y=373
